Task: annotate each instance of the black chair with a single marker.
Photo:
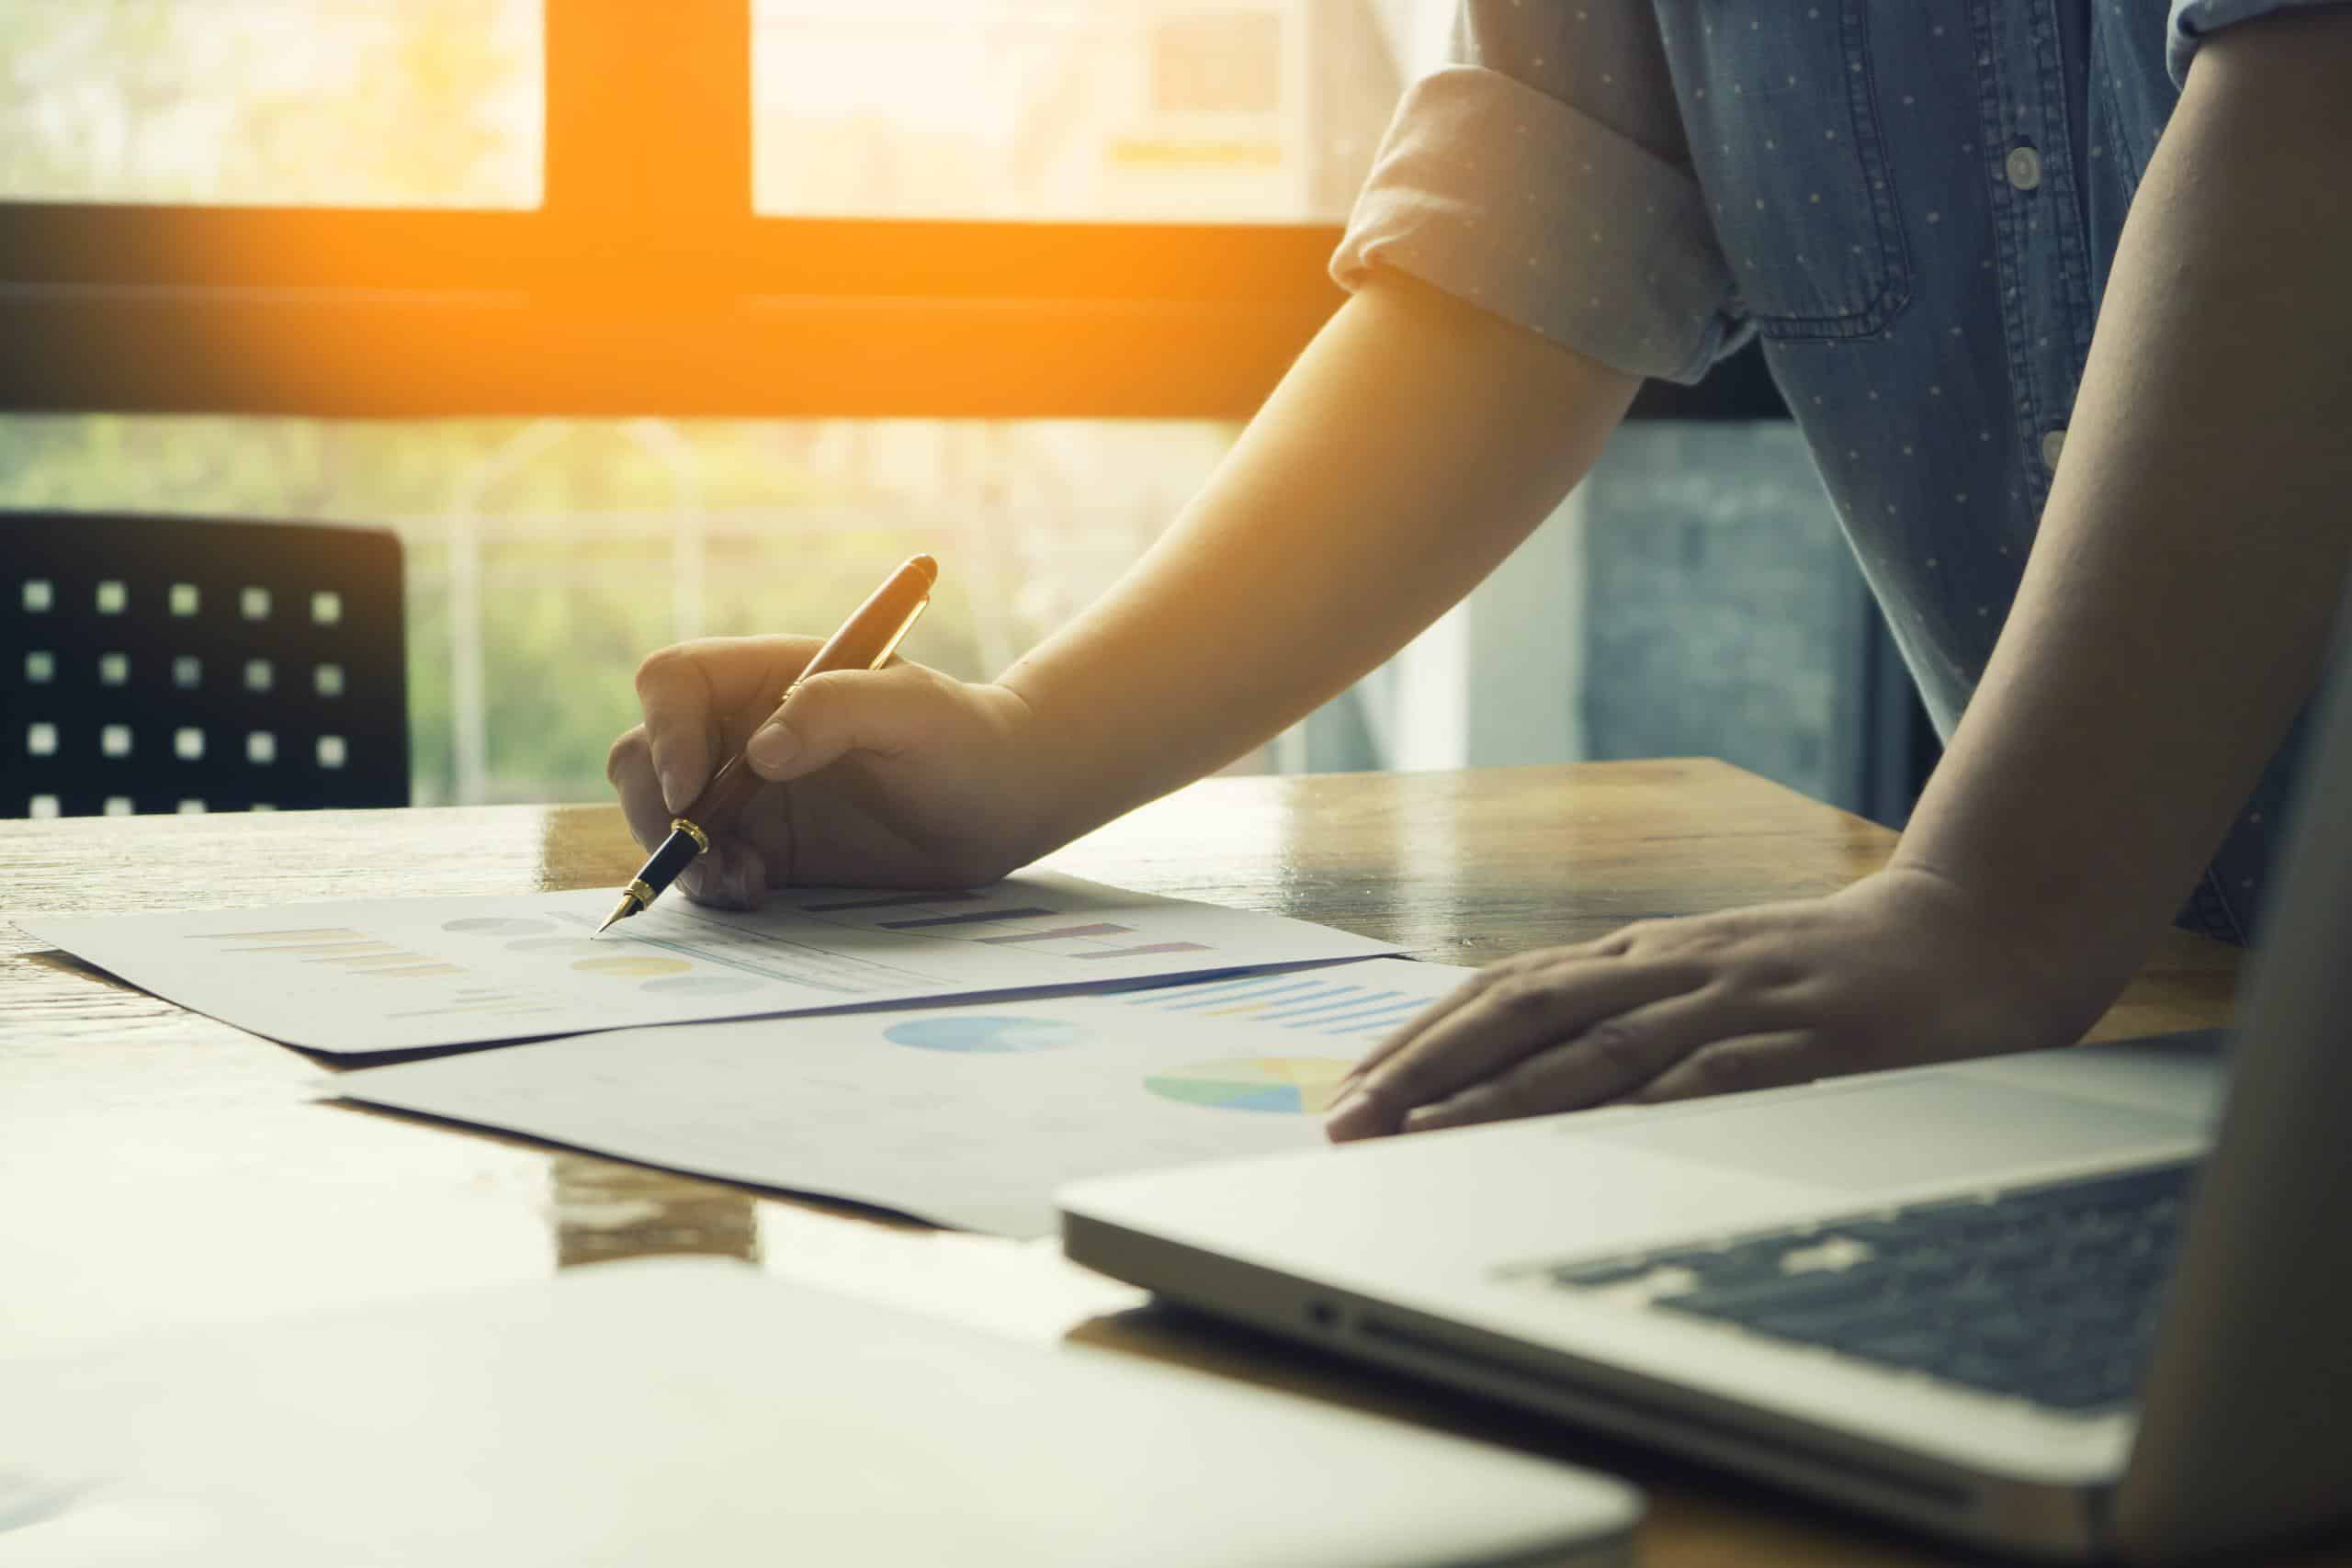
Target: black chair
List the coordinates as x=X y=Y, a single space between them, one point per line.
x=158 y=664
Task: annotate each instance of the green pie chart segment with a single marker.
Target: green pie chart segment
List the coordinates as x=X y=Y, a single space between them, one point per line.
x=1289 y=1085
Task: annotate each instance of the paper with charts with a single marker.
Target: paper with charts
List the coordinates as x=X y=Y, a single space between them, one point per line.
x=967 y=1116
x=390 y=974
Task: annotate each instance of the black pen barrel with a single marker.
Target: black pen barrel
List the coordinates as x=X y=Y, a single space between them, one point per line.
x=676 y=853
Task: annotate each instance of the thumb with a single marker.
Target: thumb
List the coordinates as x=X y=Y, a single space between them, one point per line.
x=882 y=711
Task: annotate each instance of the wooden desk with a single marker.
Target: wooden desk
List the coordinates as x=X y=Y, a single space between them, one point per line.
x=159 y=1167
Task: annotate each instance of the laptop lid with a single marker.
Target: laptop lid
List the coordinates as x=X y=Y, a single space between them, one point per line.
x=2245 y=1424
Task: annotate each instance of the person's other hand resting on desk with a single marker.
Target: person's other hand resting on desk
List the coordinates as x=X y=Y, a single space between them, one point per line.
x=1579 y=216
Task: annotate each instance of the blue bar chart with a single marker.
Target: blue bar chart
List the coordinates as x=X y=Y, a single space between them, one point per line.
x=1343 y=1005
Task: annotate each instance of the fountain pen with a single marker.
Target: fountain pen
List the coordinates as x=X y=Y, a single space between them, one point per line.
x=865 y=641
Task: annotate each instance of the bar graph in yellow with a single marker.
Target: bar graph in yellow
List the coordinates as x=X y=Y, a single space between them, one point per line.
x=353 y=952
x=633 y=965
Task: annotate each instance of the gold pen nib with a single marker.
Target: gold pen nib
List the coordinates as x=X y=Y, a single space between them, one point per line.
x=628 y=906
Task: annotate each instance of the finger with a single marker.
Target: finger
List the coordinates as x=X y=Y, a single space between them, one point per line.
x=629 y=767
x=1613 y=1057
x=1613 y=945
x=689 y=691
x=1508 y=1020
x=1763 y=1061
x=885 y=712
x=731 y=875
x=1451 y=1002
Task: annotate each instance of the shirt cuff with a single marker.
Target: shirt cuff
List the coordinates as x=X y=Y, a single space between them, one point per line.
x=2194 y=20
x=1521 y=205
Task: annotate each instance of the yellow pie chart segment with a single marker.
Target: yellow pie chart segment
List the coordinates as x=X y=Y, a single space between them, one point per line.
x=1268 y=1084
x=633 y=966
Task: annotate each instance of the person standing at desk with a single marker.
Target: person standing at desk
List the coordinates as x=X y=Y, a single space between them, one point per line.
x=1921 y=206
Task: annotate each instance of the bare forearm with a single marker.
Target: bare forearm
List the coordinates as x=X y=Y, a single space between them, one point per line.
x=2174 y=609
x=1413 y=446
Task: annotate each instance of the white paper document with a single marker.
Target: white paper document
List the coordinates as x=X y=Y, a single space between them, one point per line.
x=967 y=1116
x=390 y=975
x=691 y=1412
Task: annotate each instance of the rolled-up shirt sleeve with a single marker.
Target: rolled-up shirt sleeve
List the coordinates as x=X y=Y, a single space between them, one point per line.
x=1542 y=175
x=2193 y=21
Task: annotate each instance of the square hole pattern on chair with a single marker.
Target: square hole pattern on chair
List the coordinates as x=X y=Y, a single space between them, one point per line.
x=165 y=664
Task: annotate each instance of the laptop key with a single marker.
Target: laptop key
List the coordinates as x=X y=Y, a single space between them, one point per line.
x=2003 y=1333
x=2010 y=1254
x=1970 y=1297
x=1875 y=1233
x=1737 y=1263
x=1847 y=1330
x=1927 y=1270
x=1608 y=1271
x=1955 y=1218
x=1988 y=1374
x=1781 y=1295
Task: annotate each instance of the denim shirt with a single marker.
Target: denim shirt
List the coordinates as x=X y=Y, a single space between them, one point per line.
x=1913 y=203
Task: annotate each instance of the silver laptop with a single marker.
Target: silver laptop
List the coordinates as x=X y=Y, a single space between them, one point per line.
x=2065 y=1303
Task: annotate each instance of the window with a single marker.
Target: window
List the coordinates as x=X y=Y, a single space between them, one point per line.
x=893 y=267
x=1154 y=110
x=545 y=556
x=1031 y=208
x=995 y=279
x=342 y=103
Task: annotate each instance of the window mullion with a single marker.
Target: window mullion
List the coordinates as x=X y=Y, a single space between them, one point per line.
x=648 y=140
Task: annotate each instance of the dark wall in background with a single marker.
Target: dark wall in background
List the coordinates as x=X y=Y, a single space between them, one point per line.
x=1726 y=617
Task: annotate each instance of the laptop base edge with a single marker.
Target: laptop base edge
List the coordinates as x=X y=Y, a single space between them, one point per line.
x=2042 y=1522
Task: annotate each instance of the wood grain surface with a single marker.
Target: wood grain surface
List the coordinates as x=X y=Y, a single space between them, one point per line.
x=158 y=1167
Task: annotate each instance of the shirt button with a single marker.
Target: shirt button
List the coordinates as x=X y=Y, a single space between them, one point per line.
x=2024 y=167
x=2052 y=443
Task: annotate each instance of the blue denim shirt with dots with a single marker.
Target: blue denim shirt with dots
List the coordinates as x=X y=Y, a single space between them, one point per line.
x=1913 y=203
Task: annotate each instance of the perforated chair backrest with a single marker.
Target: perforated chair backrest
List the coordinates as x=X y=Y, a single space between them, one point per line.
x=157 y=664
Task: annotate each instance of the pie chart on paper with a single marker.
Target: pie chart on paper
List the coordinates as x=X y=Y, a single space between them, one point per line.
x=990 y=1036
x=1296 y=1085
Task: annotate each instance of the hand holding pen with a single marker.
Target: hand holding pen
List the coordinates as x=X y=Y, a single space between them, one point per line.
x=864 y=641
x=899 y=775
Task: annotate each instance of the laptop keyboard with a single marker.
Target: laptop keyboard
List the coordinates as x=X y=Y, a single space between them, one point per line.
x=2043 y=1293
